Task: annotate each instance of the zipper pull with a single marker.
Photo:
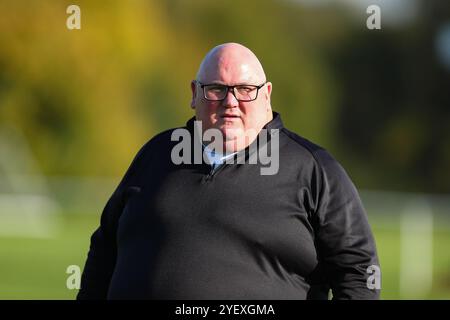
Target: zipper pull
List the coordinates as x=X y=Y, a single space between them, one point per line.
x=208 y=176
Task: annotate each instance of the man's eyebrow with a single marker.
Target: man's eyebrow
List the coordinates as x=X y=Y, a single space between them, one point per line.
x=216 y=82
x=223 y=84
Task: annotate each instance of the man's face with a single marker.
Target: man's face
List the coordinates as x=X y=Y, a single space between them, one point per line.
x=235 y=119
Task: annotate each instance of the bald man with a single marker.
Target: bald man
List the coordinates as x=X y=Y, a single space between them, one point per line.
x=235 y=64
x=180 y=226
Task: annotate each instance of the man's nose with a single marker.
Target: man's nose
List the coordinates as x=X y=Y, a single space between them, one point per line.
x=230 y=100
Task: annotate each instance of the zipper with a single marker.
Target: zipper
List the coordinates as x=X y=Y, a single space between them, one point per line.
x=213 y=172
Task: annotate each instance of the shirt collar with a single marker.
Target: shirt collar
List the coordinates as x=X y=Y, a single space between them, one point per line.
x=216 y=157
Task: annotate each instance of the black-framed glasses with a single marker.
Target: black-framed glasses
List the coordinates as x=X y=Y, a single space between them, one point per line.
x=242 y=92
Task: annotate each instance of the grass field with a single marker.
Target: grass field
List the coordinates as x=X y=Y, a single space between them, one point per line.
x=36 y=268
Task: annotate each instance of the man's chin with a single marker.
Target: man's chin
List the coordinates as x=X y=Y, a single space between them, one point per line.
x=237 y=139
x=232 y=133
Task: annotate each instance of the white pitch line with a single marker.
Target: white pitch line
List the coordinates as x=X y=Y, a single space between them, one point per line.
x=416 y=251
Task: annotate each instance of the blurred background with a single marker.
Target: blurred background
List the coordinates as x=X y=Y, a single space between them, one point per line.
x=76 y=105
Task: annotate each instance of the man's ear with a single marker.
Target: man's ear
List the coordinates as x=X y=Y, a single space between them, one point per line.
x=194 y=93
x=268 y=92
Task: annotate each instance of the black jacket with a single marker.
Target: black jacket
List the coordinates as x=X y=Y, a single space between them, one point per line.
x=181 y=232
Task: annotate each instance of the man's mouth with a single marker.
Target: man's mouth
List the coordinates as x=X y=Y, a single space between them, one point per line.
x=229 y=116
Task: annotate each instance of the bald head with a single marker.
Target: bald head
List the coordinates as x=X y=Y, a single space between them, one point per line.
x=228 y=60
